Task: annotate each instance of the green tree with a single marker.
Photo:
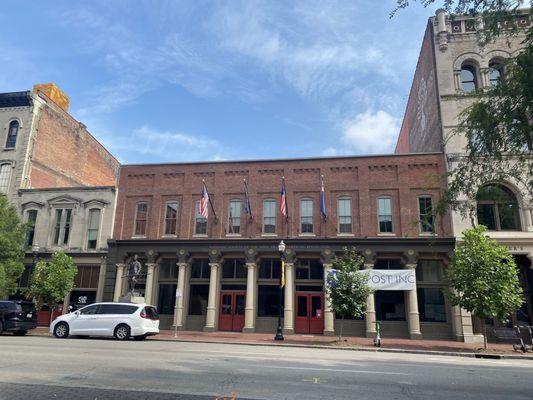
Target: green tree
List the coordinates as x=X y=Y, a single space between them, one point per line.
x=12 y=239
x=51 y=281
x=483 y=278
x=348 y=288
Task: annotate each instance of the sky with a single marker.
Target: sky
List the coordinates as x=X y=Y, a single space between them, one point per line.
x=173 y=81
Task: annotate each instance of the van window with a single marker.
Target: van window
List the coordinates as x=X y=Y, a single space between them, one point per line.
x=116 y=309
x=89 y=310
x=151 y=312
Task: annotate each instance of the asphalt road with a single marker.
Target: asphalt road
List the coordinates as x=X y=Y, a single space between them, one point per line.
x=48 y=368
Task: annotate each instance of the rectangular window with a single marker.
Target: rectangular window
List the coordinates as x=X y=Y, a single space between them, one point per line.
x=93 y=226
x=57 y=226
x=233 y=269
x=87 y=277
x=168 y=270
x=309 y=269
x=66 y=228
x=62 y=226
x=345 y=215
x=431 y=305
x=171 y=218
x=385 y=214
x=200 y=268
x=390 y=305
x=426 y=218
x=234 y=220
x=306 y=216
x=269 y=216
x=141 y=216
x=270 y=268
x=167 y=298
x=268 y=301
x=430 y=271
x=198 y=299
x=200 y=227
x=31 y=219
x=5 y=175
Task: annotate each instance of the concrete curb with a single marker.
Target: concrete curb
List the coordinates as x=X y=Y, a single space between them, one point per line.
x=347 y=348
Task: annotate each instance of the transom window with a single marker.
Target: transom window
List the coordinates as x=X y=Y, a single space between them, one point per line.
x=233 y=268
x=309 y=269
x=5 y=176
x=171 y=217
x=497 y=208
x=495 y=73
x=425 y=213
x=12 y=135
x=345 y=215
x=270 y=268
x=200 y=268
x=93 y=226
x=468 y=78
x=306 y=215
x=62 y=226
x=385 y=214
x=234 y=218
x=141 y=217
x=31 y=219
x=200 y=226
x=269 y=216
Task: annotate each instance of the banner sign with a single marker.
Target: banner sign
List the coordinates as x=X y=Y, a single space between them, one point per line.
x=392 y=279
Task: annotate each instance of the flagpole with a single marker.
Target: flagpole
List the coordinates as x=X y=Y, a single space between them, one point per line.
x=210 y=202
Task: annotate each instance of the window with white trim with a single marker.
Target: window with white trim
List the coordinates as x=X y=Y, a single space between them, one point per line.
x=31 y=219
x=425 y=213
x=234 y=217
x=200 y=226
x=5 y=177
x=306 y=216
x=385 y=214
x=171 y=218
x=344 y=210
x=141 y=217
x=269 y=216
x=12 y=134
x=93 y=226
x=62 y=226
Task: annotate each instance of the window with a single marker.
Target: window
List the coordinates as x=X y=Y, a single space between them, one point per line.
x=497 y=208
x=233 y=269
x=385 y=214
x=89 y=310
x=269 y=216
x=5 y=175
x=345 y=215
x=198 y=299
x=495 y=73
x=93 y=225
x=62 y=226
x=306 y=216
x=430 y=271
x=425 y=213
x=31 y=219
x=141 y=215
x=270 y=268
x=171 y=218
x=167 y=298
x=168 y=270
x=268 y=301
x=234 y=220
x=200 y=268
x=121 y=309
x=87 y=277
x=390 y=305
x=309 y=269
x=431 y=304
x=12 y=135
x=200 y=227
x=388 y=263
x=468 y=78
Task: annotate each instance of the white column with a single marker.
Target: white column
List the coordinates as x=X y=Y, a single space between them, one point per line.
x=370 y=316
x=527 y=217
x=149 y=283
x=118 y=282
x=211 y=316
x=249 y=312
x=329 y=316
x=179 y=311
x=101 y=280
x=413 y=317
x=288 y=314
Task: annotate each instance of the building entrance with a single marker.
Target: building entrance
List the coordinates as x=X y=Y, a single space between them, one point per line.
x=231 y=315
x=309 y=313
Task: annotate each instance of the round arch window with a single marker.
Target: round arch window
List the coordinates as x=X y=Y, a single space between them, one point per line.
x=468 y=78
x=497 y=208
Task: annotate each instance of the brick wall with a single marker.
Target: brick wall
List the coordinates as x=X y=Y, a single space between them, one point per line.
x=66 y=154
x=364 y=179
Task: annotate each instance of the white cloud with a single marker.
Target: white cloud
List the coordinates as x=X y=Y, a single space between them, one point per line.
x=371 y=133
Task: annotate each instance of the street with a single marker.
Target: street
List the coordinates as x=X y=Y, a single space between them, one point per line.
x=48 y=368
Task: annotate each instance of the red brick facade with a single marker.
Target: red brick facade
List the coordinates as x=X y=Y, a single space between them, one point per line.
x=363 y=179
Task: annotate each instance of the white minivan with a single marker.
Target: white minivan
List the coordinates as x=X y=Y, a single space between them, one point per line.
x=121 y=320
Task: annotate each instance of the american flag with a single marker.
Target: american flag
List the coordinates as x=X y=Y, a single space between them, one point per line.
x=204 y=203
x=283 y=200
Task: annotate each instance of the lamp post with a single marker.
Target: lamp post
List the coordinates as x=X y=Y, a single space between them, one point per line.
x=279 y=331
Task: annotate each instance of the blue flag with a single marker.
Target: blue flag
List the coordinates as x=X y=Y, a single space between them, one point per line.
x=322 y=198
x=247 y=204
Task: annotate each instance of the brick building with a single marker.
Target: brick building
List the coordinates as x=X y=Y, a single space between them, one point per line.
x=226 y=269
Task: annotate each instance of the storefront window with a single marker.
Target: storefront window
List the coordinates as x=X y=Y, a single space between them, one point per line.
x=268 y=301
x=200 y=269
x=309 y=269
x=233 y=269
x=390 y=305
x=431 y=306
x=167 y=298
x=269 y=268
x=198 y=299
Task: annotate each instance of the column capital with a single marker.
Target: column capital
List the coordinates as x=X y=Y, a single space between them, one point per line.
x=327 y=265
x=410 y=257
x=251 y=255
x=151 y=265
x=214 y=265
x=410 y=266
x=369 y=256
x=327 y=256
x=214 y=256
x=368 y=265
x=251 y=265
x=183 y=265
x=120 y=265
x=183 y=256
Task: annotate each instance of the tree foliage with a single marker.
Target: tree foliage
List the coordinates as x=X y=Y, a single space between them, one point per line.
x=483 y=277
x=348 y=288
x=52 y=281
x=12 y=239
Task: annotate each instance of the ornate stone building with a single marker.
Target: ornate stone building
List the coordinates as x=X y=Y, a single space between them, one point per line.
x=451 y=66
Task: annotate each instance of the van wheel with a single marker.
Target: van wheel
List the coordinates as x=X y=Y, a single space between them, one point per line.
x=142 y=337
x=20 y=333
x=61 y=330
x=122 y=332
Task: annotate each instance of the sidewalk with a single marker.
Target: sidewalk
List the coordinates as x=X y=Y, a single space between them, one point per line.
x=444 y=347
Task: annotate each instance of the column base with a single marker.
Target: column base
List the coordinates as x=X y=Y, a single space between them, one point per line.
x=248 y=330
x=329 y=333
x=371 y=334
x=415 y=335
x=288 y=331
x=209 y=329
x=179 y=328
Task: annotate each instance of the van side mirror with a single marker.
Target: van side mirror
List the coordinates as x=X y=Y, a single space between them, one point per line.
x=77 y=313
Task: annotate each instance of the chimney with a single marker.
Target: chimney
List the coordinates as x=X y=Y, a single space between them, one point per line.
x=55 y=94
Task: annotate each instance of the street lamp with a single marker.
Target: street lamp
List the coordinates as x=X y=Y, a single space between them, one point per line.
x=279 y=331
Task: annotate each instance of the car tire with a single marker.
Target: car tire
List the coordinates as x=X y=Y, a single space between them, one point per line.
x=122 y=332
x=20 y=333
x=61 y=330
x=141 y=337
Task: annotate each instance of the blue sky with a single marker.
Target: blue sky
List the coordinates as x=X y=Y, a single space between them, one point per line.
x=162 y=81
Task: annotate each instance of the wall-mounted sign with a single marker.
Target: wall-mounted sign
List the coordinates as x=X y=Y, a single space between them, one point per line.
x=392 y=279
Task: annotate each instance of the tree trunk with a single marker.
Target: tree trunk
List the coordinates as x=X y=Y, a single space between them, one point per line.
x=484 y=325
x=340 y=331
x=51 y=315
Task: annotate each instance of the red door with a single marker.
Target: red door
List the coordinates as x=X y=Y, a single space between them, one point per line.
x=309 y=313
x=231 y=315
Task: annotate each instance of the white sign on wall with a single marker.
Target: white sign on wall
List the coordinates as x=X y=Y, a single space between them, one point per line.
x=392 y=279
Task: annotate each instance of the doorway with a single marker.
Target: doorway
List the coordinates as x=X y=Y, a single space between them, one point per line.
x=231 y=313
x=309 y=313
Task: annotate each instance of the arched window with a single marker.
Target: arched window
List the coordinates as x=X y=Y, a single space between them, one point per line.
x=497 y=208
x=5 y=177
x=495 y=73
x=468 y=78
x=12 y=135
